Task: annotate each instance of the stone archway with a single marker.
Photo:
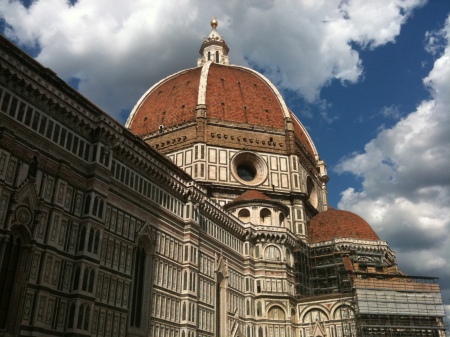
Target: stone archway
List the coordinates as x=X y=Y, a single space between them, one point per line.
x=141 y=291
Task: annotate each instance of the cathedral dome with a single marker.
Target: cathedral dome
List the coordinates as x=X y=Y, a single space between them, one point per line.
x=335 y=224
x=223 y=95
x=231 y=94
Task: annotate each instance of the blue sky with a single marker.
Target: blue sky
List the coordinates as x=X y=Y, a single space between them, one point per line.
x=369 y=79
x=393 y=75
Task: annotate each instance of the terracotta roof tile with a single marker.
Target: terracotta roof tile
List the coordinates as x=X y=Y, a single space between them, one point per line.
x=238 y=95
x=333 y=224
x=171 y=103
x=252 y=195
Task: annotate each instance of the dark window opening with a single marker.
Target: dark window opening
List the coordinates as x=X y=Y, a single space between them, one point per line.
x=246 y=172
x=138 y=288
x=8 y=267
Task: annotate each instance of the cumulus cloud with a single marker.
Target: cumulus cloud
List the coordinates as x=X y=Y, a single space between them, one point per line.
x=405 y=177
x=115 y=50
x=392 y=111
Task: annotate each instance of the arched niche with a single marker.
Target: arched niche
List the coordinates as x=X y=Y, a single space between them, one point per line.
x=272 y=253
x=276 y=313
x=244 y=215
x=265 y=217
x=314 y=315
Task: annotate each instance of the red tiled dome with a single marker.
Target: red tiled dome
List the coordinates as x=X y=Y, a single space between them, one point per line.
x=334 y=224
x=231 y=94
x=170 y=102
x=255 y=196
x=252 y=195
x=238 y=95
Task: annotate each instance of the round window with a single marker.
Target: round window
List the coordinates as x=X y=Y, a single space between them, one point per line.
x=248 y=168
x=246 y=172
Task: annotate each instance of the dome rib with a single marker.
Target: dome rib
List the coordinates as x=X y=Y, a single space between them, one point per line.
x=203 y=86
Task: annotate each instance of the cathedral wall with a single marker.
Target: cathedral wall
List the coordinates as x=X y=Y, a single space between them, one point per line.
x=88 y=214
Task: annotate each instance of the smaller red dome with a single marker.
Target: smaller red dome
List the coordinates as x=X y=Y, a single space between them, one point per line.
x=334 y=224
x=252 y=195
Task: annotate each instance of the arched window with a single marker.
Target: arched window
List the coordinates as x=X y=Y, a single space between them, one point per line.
x=185 y=280
x=293 y=316
x=10 y=261
x=247 y=307
x=71 y=316
x=265 y=217
x=76 y=278
x=260 y=332
x=95 y=208
x=244 y=215
x=183 y=312
x=91 y=281
x=259 y=308
x=272 y=253
x=87 y=204
x=85 y=279
x=138 y=287
x=209 y=56
x=91 y=239
x=82 y=238
x=100 y=209
x=96 y=241
x=80 y=316
x=217 y=56
x=276 y=313
x=86 y=318
x=281 y=219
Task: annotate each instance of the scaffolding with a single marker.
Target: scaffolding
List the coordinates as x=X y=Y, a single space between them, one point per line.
x=321 y=271
x=301 y=270
x=398 y=306
x=386 y=303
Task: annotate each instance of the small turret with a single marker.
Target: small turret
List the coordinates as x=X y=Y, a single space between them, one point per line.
x=214 y=48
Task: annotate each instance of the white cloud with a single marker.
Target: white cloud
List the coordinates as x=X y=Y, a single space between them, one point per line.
x=405 y=176
x=391 y=111
x=118 y=49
